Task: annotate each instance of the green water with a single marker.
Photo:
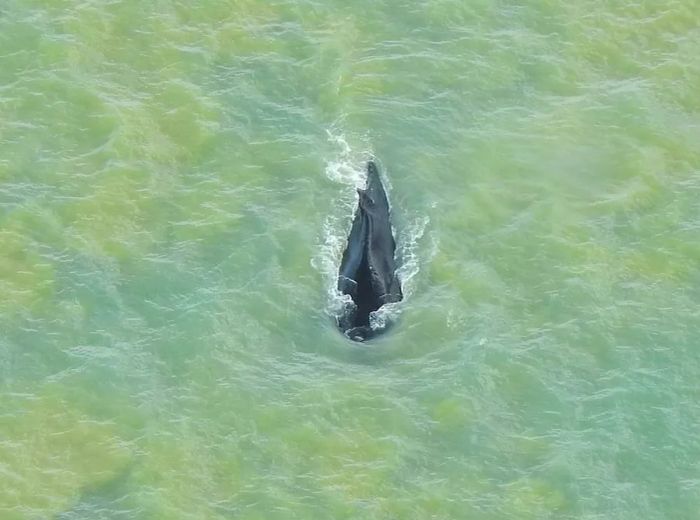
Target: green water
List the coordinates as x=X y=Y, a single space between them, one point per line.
x=176 y=180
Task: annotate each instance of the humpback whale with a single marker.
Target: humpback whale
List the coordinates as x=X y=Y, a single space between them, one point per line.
x=368 y=269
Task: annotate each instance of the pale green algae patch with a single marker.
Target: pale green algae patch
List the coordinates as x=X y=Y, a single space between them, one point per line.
x=25 y=278
x=51 y=452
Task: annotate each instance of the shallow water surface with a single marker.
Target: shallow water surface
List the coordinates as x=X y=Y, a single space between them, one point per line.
x=176 y=182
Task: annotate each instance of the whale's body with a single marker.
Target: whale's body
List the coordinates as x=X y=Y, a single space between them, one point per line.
x=368 y=270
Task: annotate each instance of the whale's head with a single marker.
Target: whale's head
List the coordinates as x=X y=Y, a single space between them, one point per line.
x=375 y=190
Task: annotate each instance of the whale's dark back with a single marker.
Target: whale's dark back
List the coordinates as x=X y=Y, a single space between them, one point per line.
x=368 y=269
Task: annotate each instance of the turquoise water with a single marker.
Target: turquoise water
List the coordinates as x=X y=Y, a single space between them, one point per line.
x=176 y=182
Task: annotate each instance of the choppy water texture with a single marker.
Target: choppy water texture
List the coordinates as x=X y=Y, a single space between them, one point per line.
x=176 y=180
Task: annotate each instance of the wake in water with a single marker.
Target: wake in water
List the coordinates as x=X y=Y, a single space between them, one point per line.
x=348 y=170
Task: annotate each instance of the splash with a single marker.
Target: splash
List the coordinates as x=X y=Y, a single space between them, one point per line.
x=347 y=168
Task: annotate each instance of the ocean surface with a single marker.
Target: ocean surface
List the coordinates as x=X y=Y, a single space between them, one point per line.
x=177 y=180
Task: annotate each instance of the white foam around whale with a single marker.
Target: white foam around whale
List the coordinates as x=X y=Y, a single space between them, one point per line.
x=348 y=169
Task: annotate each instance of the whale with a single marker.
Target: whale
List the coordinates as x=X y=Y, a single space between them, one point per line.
x=367 y=271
